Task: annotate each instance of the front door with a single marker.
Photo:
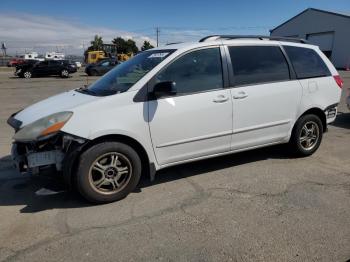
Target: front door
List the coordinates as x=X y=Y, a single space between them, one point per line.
x=197 y=121
x=41 y=68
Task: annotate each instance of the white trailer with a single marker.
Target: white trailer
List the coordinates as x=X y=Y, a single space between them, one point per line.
x=54 y=56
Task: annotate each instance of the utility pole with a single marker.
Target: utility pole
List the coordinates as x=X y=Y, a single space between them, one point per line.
x=157 y=32
x=3 y=47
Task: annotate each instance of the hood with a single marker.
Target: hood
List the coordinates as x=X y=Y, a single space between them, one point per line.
x=25 y=65
x=62 y=102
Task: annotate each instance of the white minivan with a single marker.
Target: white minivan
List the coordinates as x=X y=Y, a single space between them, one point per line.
x=180 y=103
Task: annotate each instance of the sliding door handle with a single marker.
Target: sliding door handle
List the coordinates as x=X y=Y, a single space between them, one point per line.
x=240 y=95
x=220 y=99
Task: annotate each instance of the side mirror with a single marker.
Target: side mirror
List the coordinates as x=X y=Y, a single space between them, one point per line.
x=167 y=88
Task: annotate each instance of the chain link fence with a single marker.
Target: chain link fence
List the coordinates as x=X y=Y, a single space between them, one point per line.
x=4 y=61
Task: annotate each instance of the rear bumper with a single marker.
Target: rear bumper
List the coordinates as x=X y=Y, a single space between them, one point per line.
x=331 y=113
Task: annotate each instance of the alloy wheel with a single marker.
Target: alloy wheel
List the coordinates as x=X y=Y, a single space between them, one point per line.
x=309 y=135
x=110 y=173
x=65 y=73
x=27 y=74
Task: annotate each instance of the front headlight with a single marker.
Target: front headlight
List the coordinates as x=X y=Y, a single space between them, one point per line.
x=43 y=127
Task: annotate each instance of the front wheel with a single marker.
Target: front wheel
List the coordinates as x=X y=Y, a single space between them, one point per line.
x=64 y=73
x=108 y=171
x=307 y=135
x=27 y=74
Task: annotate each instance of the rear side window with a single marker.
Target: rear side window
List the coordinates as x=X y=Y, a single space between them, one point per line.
x=306 y=62
x=258 y=64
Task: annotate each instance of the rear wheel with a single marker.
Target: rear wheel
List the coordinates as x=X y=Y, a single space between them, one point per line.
x=64 y=73
x=307 y=135
x=27 y=74
x=108 y=172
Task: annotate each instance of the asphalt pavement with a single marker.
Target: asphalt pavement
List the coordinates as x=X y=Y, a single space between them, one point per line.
x=260 y=205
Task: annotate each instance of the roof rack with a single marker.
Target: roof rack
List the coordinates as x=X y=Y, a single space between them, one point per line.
x=174 y=43
x=260 y=37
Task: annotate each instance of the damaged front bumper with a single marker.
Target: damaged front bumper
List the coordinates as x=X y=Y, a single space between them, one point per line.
x=35 y=156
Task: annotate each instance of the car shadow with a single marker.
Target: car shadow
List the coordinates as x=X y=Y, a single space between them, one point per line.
x=19 y=190
x=342 y=120
x=217 y=163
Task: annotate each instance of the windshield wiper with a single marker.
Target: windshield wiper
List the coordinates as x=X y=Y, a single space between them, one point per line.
x=85 y=90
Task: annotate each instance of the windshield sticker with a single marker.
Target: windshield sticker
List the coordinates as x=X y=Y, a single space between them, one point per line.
x=158 y=55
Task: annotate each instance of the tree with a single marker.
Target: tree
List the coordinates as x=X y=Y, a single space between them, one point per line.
x=146 y=45
x=121 y=45
x=132 y=48
x=125 y=46
x=96 y=44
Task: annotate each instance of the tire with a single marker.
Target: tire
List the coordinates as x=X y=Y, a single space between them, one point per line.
x=103 y=178
x=64 y=73
x=27 y=74
x=306 y=136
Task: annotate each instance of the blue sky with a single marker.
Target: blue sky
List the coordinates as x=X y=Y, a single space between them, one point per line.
x=179 y=20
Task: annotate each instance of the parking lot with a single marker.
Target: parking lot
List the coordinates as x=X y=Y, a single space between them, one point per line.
x=259 y=205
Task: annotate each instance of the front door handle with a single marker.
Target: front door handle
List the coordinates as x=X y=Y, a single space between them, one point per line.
x=240 y=95
x=220 y=99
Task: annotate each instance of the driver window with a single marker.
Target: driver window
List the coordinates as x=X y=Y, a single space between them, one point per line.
x=197 y=71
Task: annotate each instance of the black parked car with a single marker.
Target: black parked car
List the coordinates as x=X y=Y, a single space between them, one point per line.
x=101 y=67
x=46 y=68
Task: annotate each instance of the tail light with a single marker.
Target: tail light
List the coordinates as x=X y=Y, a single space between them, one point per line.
x=339 y=81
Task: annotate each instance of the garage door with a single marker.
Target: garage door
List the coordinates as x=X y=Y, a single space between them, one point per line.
x=323 y=40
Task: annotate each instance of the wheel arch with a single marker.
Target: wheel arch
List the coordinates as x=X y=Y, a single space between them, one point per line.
x=318 y=112
x=148 y=168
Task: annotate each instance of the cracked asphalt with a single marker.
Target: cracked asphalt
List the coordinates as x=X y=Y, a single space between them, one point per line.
x=259 y=205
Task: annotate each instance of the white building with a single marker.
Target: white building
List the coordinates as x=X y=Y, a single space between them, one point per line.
x=31 y=55
x=329 y=30
x=54 y=56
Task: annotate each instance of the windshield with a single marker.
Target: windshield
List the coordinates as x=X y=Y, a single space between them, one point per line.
x=126 y=74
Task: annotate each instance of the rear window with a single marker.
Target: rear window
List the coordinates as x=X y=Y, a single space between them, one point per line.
x=258 y=64
x=306 y=62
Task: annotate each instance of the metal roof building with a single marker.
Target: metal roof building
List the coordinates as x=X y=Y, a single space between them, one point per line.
x=329 y=30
